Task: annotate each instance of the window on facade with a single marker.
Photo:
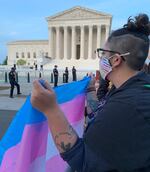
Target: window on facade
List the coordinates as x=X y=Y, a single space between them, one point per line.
x=22 y=55
x=28 y=55
x=17 y=55
x=34 y=55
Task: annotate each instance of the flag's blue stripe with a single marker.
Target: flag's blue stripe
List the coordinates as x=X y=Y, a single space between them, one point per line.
x=71 y=90
x=28 y=115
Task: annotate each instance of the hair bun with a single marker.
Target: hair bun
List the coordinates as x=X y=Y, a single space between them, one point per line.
x=140 y=24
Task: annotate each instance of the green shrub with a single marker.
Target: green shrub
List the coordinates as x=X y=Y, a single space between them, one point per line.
x=21 y=62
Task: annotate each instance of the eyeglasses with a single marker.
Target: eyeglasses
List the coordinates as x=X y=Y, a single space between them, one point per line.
x=100 y=52
x=111 y=51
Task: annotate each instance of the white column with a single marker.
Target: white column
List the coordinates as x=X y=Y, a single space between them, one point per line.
x=65 y=42
x=82 y=43
x=90 y=41
x=57 y=43
x=107 y=32
x=73 y=50
x=50 y=40
x=98 y=36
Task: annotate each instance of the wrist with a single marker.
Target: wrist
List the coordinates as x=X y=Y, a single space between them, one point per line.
x=52 y=111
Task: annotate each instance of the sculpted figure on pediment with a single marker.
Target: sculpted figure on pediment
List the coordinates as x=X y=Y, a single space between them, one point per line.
x=77 y=14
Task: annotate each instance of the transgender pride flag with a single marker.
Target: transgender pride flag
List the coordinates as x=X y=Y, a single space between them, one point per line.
x=28 y=145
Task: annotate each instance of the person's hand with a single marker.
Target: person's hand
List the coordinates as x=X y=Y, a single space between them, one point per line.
x=43 y=99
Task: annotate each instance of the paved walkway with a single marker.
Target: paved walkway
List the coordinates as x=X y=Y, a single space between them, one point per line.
x=9 y=106
x=6 y=117
x=7 y=103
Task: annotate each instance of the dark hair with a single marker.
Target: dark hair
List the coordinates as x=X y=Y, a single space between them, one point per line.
x=132 y=38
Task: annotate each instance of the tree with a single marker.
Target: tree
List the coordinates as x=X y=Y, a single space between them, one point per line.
x=21 y=62
x=5 y=61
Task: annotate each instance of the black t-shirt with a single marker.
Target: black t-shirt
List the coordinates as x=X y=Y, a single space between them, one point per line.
x=73 y=70
x=55 y=72
x=12 y=76
x=66 y=72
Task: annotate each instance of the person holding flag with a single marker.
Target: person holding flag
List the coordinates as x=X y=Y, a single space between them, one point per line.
x=118 y=138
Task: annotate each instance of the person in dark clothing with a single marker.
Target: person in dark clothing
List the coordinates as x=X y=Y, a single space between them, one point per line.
x=35 y=66
x=74 y=75
x=55 y=73
x=99 y=97
x=145 y=68
x=102 y=89
x=67 y=74
x=41 y=67
x=13 y=82
x=118 y=137
x=149 y=68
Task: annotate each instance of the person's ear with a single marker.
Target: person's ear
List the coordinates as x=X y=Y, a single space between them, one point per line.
x=116 y=60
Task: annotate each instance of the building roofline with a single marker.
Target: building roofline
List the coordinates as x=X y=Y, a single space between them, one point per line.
x=78 y=7
x=26 y=41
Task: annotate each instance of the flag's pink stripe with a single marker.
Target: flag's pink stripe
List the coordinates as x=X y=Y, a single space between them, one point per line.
x=39 y=165
x=32 y=145
x=74 y=109
x=56 y=164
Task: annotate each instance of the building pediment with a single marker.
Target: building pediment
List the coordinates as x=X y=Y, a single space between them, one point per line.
x=78 y=13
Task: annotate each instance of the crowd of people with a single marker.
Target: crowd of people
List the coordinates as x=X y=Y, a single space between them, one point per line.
x=65 y=75
x=13 y=78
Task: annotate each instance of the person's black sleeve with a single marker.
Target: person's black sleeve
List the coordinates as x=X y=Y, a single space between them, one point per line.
x=82 y=159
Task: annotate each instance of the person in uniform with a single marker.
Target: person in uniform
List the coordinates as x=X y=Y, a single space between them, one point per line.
x=74 y=75
x=67 y=74
x=13 y=82
x=55 y=72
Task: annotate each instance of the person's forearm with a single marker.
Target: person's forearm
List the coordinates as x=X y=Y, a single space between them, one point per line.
x=63 y=134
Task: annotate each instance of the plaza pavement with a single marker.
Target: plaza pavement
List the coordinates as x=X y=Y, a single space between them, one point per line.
x=6 y=117
x=9 y=106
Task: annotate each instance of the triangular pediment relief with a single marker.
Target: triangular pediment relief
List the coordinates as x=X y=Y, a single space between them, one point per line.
x=77 y=13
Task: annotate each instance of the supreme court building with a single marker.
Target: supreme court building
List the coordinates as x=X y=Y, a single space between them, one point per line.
x=74 y=35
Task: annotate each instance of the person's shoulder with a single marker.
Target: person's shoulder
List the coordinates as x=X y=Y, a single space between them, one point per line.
x=126 y=97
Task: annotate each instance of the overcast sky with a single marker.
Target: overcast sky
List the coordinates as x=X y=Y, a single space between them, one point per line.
x=25 y=19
